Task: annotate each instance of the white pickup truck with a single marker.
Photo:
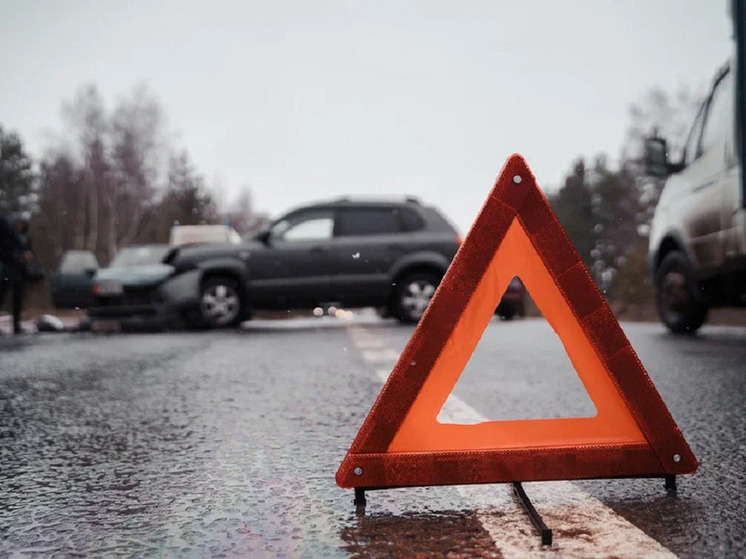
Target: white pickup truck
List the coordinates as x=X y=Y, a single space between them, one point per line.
x=698 y=234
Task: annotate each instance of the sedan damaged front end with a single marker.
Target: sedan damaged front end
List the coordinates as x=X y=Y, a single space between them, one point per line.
x=142 y=295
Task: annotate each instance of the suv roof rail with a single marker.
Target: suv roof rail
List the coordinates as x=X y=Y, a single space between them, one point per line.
x=375 y=200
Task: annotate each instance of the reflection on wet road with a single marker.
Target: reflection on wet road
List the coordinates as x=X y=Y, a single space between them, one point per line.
x=203 y=444
x=431 y=534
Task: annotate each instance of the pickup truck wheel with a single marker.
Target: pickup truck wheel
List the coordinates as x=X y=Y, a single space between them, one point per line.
x=220 y=302
x=675 y=294
x=412 y=296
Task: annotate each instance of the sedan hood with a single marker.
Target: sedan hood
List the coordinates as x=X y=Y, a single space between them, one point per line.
x=135 y=275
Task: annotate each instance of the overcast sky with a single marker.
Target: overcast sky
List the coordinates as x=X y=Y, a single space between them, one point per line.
x=307 y=99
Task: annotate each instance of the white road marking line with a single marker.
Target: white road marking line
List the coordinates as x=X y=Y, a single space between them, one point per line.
x=454 y=410
x=383 y=374
x=368 y=343
x=377 y=356
x=582 y=525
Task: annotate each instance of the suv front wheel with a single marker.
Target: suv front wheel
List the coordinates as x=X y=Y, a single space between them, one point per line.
x=220 y=302
x=675 y=294
x=412 y=296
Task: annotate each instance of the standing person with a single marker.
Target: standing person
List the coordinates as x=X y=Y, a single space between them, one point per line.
x=14 y=253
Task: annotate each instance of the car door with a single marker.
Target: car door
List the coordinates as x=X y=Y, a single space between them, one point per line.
x=731 y=194
x=367 y=241
x=71 y=285
x=706 y=177
x=294 y=266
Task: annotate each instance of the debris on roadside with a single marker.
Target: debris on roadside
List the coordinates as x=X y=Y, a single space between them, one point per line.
x=50 y=323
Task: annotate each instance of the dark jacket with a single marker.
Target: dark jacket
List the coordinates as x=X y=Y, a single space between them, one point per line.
x=13 y=245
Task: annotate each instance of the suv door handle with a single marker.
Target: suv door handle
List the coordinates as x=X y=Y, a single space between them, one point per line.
x=400 y=247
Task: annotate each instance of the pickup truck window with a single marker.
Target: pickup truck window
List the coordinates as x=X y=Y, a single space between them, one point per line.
x=691 y=149
x=719 y=115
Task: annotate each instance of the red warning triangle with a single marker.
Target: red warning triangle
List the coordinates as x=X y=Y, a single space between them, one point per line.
x=401 y=443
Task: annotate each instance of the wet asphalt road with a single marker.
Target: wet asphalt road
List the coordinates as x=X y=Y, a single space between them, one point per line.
x=226 y=443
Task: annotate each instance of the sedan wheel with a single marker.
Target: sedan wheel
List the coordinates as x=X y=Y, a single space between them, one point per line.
x=220 y=303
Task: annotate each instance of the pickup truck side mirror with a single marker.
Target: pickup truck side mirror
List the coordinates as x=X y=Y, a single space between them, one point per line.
x=656 y=158
x=90 y=272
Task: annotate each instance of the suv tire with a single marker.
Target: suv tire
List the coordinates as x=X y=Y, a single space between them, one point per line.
x=412 y=295
x=220 y=302
x=675 y=295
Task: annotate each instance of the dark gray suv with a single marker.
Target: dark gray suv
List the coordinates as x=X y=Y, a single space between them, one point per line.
x=389 y=254
x=351 y=253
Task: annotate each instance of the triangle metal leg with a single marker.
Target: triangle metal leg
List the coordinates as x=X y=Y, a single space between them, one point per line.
x=536 y=520
x=360 y=497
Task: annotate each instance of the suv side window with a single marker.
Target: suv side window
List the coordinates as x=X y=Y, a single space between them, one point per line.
x=410 y=220
x=367 y=221
x=315 y=225
x=719 y=115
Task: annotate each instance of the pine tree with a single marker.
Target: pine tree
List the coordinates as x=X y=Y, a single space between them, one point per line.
x=187 y=199
x=574 y=209
x=17 y=181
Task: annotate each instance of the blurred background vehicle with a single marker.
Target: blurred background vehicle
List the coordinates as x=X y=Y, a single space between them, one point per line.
x=182 y=235
x=127 y=291
x=342 y=254
x=71 y=286
x=513 y=301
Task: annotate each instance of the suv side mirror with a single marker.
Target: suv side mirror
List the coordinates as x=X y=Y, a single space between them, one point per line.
x=656 y=158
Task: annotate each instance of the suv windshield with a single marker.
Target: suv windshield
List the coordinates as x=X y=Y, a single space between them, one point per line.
x=139 y=256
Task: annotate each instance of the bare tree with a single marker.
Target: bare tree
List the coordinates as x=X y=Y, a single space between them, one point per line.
x=187 y=200
x=60 y=221
x=108 y=186
x=86 y=115
x=115 y=162
x=669 y=115
x=241 y=214
x=137 y=146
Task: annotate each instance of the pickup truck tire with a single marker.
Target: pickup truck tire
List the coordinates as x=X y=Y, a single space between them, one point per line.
x=412 y=295
x=220 y=302
x=675 y=295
